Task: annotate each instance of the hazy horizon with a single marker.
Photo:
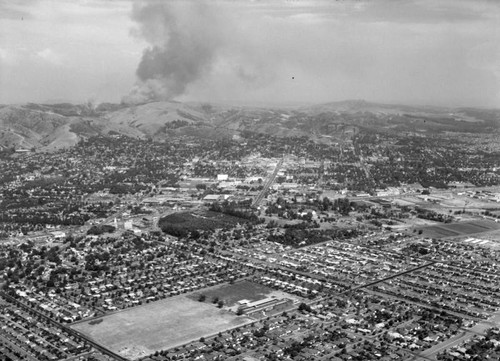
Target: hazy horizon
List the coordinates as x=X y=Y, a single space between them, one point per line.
x=254 y=104
x=414 y=52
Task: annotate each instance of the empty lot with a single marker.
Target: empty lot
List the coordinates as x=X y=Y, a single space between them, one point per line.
x=164 y=324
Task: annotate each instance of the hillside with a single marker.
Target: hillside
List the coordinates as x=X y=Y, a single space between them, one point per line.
x=48 y=127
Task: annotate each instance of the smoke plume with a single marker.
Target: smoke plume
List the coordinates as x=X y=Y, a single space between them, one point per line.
x=183 y=40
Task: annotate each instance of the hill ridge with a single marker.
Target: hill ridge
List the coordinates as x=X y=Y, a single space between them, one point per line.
x=53 y=126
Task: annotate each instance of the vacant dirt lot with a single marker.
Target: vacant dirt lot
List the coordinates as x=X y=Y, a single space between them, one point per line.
x=142 y=330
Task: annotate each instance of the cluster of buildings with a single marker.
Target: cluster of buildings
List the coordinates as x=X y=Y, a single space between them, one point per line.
x=27 y=335
x=448 y=287
x=107 y=275
x=369 y=297
x=483 y=347
x=362 y=327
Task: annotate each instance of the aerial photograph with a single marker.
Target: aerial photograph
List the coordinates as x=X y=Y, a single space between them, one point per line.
x=250 y=180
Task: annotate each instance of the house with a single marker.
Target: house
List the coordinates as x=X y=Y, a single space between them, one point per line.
x=212 y=197
x=59 y=235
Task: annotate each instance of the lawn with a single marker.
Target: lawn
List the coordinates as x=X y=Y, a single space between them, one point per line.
x=160 y=325
x=230 y=294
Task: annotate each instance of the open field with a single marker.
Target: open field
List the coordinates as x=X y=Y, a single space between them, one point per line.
x=231 y=294
x=459 y=229
x=164 y=324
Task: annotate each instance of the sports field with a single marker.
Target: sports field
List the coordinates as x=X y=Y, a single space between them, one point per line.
x=459 y=229
x=164 y=324
x=231 y=294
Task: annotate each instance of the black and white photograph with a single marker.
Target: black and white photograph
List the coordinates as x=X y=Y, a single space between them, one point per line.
x=249 y=180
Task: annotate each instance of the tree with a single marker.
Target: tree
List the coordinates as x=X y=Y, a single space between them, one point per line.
x=202 y=298
x=220 y=303
x=304 y=307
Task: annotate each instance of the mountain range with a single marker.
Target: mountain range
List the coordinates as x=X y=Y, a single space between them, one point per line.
x=49 y=127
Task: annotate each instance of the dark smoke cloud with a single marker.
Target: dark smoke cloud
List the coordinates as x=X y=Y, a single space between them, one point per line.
x=183 y=40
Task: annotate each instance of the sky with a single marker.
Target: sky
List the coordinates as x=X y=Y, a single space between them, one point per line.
x=418 y=52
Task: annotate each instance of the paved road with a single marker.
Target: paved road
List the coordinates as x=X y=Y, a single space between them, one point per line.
x=69 y=330
x=268 y=183
x=365 y=285
x=478 y=329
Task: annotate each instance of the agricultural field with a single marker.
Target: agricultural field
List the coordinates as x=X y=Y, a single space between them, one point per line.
x=164 y=324
x=459 y=203
x=460 y=229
